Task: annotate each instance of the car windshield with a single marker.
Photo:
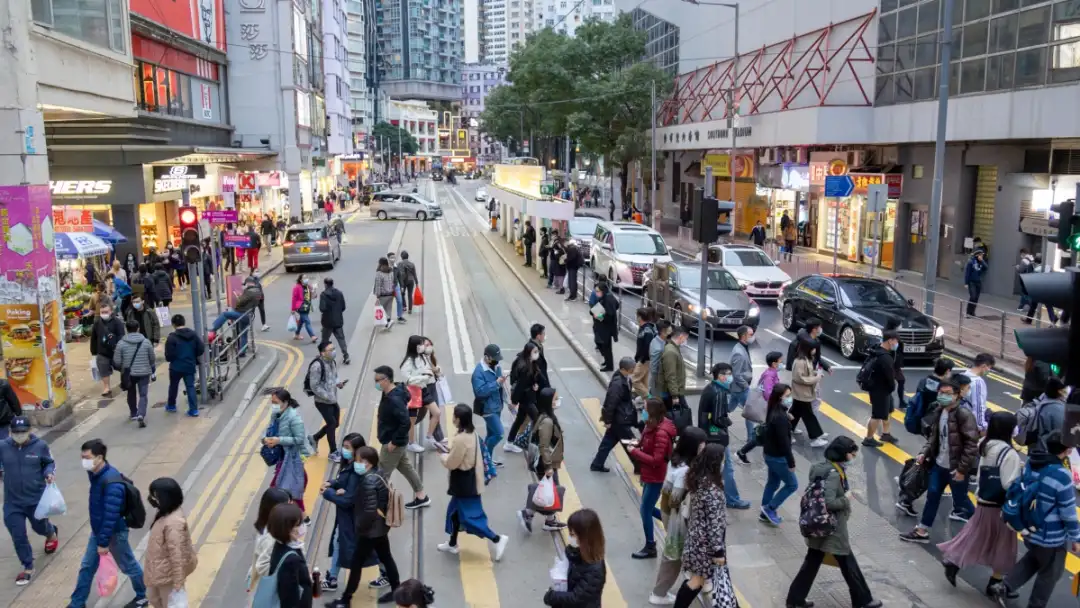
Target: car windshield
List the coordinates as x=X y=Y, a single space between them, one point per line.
x=583 y=227
x=305 y=235
x=869 y=293
x=746 y=257
x=639 y=243
x=690 y=278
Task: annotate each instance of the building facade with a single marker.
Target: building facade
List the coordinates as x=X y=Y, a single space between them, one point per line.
x=561 y=15
x=493 y=33
x=419 y=48
x=477 y=82
x=421 y=122
x=339 y=140
x=861 y=99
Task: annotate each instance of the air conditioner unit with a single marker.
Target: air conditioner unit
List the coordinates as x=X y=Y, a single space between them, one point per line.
x=889 y=155
x=856 y=158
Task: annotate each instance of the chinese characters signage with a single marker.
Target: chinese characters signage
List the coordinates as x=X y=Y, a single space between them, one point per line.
x=820 y=169
x=864 y=180
x=72 y=220
x=720 y=163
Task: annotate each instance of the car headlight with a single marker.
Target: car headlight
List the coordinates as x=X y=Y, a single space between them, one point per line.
x=754 y=311
x=697 y=310
x=785 y=284
x=939 y=332
x=744 y=282
x=870 y=330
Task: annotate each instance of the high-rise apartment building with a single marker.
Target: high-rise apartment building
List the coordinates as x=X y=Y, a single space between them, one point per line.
x=360 y=66
x=420 y=48
x=564 y=15
x=477 y=82
x=493 y=33
x=339 y=138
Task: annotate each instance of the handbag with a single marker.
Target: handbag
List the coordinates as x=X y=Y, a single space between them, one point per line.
x=442 y=391
x=682 y=417
x=723 y=590
x=266 y=593
x=125 y=371
x=272 y=455
x=756 y=405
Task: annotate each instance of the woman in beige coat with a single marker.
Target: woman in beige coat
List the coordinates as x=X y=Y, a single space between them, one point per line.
x=170 y=556
x=805 y=381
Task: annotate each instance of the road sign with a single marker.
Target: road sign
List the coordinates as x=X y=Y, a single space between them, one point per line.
x=869 y=252
x=839 y=186
x=1038 y=226
x=547 y=188
x=225 y=216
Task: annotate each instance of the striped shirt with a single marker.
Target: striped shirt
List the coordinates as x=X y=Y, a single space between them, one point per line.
x=976 y=400
x=1056 y=487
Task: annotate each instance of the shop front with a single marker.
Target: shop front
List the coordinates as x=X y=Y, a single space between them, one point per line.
x=750 y=207
x=786 y=187
x=356 y=167
x=459 y=163
x=846 y=225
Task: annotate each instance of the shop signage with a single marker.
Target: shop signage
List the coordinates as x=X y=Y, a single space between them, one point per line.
x=237 y=240
x=228 y=183
x=820 y=169
x=864 y=180
x=179 y=171
x=225 y=216
x=1038 y=226
x=72 y=220
x=796 y=177
x=168 y=185
x=725 y=133
x=246 y=182
x=839 y=186
x=268 y=180
x=720 y=163
x=207 y=107
x=80 y=189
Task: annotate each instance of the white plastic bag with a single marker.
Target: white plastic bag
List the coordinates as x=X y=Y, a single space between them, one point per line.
x=178 y=599
x=1074 y=464
x=559 y=572
x=94 y=373
x=293 y=324
x=442 y=391
x=164 y=318
x=544 y=497
x=51 y=503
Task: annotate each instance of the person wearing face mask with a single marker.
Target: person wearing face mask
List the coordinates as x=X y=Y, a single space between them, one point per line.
x=302 y=296
x=769 y=379
x=976 y=397
x=264 y=543
x=617 y=414
x=323 y=382
x=147 y=318
x=714 y=418
x=341 y=492
x=488 y=384
x=690 y=442
x=108 y=529
x=742 y=372
x=332 y=307
x=105 y=335
x=465 y=510
x=526 y=380
x=372 y=533
x=656 y=351
x=418 y=371
x=135 y=355
x=950 y=454
x=879 y=380
x=170 y=557
x=27 y=466
x=805 y=379
x=832 y=474
x=652 y=454
x=779 y=460
x=548 y=439
x=399 y=300
x=671 y=384
x=392 y=422
x=646 y=320
x=385 y=289
x=287 y=583
x=287 y=430
x=810 y=332
x=587 y=572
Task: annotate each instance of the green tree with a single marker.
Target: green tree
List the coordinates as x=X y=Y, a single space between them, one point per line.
x=387 y=138
x=593 y=87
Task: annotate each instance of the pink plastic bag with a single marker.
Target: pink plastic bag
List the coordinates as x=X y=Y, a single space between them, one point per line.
x=108 y=575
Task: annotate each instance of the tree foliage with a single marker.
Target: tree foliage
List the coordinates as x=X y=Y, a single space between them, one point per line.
x=387 y=137
x=593 y=87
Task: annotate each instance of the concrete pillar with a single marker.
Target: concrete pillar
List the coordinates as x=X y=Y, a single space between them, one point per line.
x=296 y=199
x=23 y=160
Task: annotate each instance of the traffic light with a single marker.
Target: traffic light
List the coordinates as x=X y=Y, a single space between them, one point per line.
x=723 y=220
x=1067 y=224
x=704 y=218
x=190 y=242
x=1055 y=345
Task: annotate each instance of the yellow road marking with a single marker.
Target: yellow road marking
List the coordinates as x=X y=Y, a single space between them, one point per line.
x=612 y=597
x=475 y=564
x=1072 y=562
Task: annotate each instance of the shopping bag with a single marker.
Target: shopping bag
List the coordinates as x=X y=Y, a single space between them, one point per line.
x=108 y=575
x=417 y=296
x=559 y=572
x=416 y=397
x=94 y=373
x=914 y=480
x=544 y=496
x=1074 y=464
x=178 y=599
x=380 y=316
x=51 y=503
x=293 y=325
x=756 y=405
x=442 y=391
x=164 y=318
x=723 y=590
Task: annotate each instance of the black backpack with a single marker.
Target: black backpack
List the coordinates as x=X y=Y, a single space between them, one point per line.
x=307 y=377
x=865 y=377
x=134 y=511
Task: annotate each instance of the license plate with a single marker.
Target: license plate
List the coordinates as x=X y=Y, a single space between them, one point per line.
x=305 y=250
x=911 y=348
x=726 y=321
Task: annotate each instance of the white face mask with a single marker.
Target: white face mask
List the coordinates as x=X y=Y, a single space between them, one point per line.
x=535 y=355
x=88 y=464
x=572 y=541
x=105 y=316
x=275 y=408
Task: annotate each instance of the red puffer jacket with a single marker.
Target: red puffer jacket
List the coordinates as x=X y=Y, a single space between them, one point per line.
x=654 y=450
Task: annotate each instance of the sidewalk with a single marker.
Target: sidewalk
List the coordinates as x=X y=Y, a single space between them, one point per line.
x=990 y=331
x=83 y=387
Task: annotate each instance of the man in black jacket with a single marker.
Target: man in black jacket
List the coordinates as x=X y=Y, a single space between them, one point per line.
x=392 y=429
x=810 y=332
x=880 y=382
x=618 y=414
x=574 y=261
x=105 y=334
x=639 y=380
x=332 y=307
x=545 y=248
x=537 y=337
x=606 y=324
x=714 y=418
x=529 y=239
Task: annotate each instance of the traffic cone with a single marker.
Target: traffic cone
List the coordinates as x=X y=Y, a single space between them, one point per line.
x=417 y=297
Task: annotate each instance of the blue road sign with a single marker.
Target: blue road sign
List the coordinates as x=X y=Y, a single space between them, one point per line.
x=839 y=185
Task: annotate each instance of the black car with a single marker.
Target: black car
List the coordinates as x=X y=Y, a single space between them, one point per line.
x=855 y=309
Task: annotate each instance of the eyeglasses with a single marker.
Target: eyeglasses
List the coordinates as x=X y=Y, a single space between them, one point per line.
x=380 y=378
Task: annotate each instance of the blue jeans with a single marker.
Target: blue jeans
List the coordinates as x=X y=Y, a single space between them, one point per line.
x=731 y=491
x=494 y=431
x=939 y=478
x=125 y=559
x=241 y=321
x=174 y=386
x=15 y=518
x=737 y=400
x=400 y=302
x=779 y=473
x=650 y=495
x=304 y=322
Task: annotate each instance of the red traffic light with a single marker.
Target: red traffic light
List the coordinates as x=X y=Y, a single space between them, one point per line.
x=188 y=216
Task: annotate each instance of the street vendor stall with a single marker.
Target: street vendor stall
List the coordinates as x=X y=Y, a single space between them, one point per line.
x=82 y=260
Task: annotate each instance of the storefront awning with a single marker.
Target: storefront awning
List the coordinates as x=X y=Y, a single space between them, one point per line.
x=72 y=245
x=167 y=154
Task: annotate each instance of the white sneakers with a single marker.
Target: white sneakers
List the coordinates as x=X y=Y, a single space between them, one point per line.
x=509 y=447
x=499 y=547
x=820 y=442
x=661 y=600
x=448 y=548
x=415 y=448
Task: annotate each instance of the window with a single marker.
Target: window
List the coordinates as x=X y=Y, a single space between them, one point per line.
x=975 y=35
x=1066 y=65
x=1003 y=33
x=925 y=84
x=976 y=9
x=1033 y=27
x=999 y=72
x=906 y=23
x=926 y=51
x=928 y=16
x=973 y=76
x=98 y=22
x=163 y=91
x=1031 y=67
x=1001 y=6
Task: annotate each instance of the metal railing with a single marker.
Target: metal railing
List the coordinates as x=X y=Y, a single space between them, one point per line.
x=234 y=346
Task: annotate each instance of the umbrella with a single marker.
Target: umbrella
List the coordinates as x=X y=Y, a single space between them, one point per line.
x=107 y=233
x=71 y=245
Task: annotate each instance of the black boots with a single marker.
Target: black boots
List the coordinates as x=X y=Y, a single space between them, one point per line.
x=646 y=552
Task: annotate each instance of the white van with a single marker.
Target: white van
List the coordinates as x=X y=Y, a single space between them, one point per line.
x=624 y=252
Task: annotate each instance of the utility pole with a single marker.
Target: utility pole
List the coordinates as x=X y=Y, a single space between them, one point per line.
x=930 y=273
x=566 y=162
x=731 y=117
x=652 y=178
x=703 y=288
x=198 y=318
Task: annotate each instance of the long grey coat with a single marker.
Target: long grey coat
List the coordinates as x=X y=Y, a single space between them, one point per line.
x=837 y=543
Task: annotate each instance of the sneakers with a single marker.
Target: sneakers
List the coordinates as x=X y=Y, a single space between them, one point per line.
x=960 y=517
x=448 y=548
x=820 y=442
x=418 y=503
x=142 y=422
x=379 y=583
x=193 y=414
x=739 y=504
x=906 y=509
x=889 y=438
x=770 y=516
x=599 y=469
x=335 y=456
x=500 y=546
x=137 y=603
x=329 y=583
x=266 y=328
x=661 y=600
x=23 y=577
x=513 y=449
x=345 y=360
x=553 y=525
x=525 y=520
x=870 y=442
x=415 y=448
x=441 y=446
x=796 y=431
x=917 y=535
x=52 y=542
x=170 y=409
x=742 y=457
x=646 y=552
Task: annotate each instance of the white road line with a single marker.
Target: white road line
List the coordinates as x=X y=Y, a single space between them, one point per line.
x=573 y=369
x=448 y=307
x=454 y=310
x=479 y=218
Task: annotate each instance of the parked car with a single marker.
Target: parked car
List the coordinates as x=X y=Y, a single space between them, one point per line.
x=481 y=194
x=313 y=244
x=674 y=289
x=625 y=251
x=402 y=205
x=854 y=310
x=752 y=268
x=581 y=229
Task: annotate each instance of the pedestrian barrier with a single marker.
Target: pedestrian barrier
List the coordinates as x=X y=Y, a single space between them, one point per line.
x=233 y=347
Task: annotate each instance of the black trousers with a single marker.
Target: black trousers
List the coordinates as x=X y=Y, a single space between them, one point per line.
x=544 y=264
x=605 y=345
x=364 y=547
x=1046 y=565
x=974 y=290
x=572 y=281
x=331 y=415
x=407 y=295
x=804 y=410
x=849 y=568
x=526 y=411
x=528 y=254
x=262 y=311
x=339 y=333
x=612 y=436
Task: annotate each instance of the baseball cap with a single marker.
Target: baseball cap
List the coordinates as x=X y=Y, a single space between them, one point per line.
x=493 y=352
x=20 y=424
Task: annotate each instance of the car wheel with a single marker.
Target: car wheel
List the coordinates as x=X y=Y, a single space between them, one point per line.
x=420 y=215
x=847 y=342
x=789 y=317
x=381 y=215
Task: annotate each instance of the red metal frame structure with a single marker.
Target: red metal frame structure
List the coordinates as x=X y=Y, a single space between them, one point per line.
x=776 y=76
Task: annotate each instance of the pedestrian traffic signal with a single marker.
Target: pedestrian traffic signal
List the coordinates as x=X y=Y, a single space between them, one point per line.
x=1054 y=345
x=704 y=219
x=1067 y=224
x=190 y=241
